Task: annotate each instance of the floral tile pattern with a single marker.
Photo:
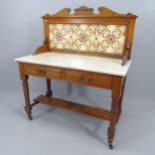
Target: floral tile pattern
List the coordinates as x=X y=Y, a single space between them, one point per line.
x=85 y=37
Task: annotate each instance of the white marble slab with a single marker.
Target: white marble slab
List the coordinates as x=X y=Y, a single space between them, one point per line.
x=80 y=62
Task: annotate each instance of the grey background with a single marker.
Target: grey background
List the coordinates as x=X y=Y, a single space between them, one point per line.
x=21 y=31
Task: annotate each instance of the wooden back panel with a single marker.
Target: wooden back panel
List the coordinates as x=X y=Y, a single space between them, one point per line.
x=106 y=33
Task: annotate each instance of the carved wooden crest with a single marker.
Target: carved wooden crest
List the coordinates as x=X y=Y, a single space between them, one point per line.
x=89 y=12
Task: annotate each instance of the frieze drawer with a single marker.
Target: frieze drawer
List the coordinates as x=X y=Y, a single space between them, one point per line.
x=88 y=78
x=42 y=71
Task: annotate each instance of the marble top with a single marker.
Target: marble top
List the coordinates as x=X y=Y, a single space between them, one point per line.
x=86 y=63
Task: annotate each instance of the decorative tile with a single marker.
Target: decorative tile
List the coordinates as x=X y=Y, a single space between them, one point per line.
x=91 y=38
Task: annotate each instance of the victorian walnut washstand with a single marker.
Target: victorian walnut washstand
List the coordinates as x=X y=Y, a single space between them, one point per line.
x=85 y=48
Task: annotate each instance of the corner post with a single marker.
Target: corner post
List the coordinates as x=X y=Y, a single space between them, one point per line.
x=116 y=94
x=28 y=107
x=49 y=91
x=121 y=97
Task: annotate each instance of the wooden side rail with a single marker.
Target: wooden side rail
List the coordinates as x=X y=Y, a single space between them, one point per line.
x=92 y=111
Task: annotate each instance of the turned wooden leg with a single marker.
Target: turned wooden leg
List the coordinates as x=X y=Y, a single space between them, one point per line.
x=113 y=121
x=49 y=91
x=28 y=107
x=115 y=106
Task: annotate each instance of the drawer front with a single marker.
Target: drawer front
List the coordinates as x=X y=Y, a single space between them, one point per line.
x=88 y=78
x=42 y=71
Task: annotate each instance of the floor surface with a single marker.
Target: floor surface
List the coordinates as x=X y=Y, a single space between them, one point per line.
x=55 y=131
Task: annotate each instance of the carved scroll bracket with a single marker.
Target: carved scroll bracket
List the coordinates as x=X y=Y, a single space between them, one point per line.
x=88 y=12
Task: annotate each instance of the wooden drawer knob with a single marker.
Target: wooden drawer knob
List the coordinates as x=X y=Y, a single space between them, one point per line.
x=85 y=79
x=41 y=71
